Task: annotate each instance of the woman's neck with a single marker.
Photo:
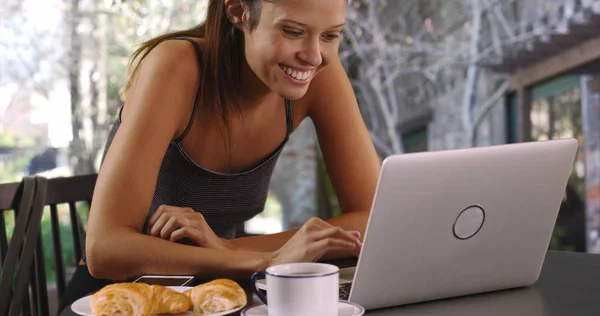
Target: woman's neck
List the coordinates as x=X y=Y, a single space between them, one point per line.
x=253 y=91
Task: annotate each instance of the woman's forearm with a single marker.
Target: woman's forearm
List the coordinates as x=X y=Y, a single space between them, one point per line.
x=125 y=253
x=356 y=221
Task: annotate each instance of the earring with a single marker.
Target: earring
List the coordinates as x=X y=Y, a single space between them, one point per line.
x=236 y=20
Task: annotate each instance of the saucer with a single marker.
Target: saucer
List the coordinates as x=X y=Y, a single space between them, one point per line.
x=345 y=308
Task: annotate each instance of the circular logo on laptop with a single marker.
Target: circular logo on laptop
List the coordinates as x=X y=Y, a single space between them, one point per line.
x=468 y=222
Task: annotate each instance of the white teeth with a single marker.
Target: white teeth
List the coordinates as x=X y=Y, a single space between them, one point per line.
x=296 y=74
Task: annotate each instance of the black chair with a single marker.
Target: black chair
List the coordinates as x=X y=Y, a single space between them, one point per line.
x=10 y=198
x=68 y=191
x=22 y=258
x=52 y=193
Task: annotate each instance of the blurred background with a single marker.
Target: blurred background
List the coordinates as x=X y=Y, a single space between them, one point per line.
x=428 y=75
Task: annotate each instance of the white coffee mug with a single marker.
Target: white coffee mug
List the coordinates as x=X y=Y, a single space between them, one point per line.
x=300 y=289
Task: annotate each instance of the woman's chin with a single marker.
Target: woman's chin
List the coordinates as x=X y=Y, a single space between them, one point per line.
x=292 y=93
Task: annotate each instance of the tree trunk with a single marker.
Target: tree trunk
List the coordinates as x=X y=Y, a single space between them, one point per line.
x=98 y=87
x=472 y=71
x=77 y=150
x=88 y=87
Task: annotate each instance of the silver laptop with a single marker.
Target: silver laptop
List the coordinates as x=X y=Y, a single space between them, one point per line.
x=452 y=223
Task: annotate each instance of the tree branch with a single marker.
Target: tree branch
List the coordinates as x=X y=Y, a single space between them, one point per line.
x=485 y=109
x=473 y=70
x=381 y=145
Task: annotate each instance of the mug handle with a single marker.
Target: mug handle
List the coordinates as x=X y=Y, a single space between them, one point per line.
x=253 y=280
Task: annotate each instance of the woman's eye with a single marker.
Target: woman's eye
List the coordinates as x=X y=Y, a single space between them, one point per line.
x=331 y=37
x=292 y=33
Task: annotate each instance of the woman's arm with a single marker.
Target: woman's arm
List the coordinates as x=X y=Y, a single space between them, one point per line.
x=159 y=105
x=349 y=154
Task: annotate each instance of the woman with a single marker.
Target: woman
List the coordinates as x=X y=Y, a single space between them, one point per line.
x=206 y=115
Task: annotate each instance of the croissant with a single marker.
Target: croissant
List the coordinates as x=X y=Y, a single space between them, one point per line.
x=216 y=296
x=138 y=299
x=168 y=301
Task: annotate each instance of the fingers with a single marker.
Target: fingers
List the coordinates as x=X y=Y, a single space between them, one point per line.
x=317 y=224
x=337 y=232
x=320 y=248
x=170 y=226
x=157 y=214
x=162 y=215
x=164 y=209
x=186 y=232
x=157 y=226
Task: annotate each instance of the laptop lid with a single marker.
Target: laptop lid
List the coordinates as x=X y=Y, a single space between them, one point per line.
x=458 y=222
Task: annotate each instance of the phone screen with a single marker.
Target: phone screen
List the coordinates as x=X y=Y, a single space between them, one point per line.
x=165 y=280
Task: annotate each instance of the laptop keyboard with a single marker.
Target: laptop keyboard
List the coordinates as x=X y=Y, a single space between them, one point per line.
x=346 y=278
x=345 y=287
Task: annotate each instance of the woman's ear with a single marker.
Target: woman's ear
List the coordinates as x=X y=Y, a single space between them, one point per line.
x=235 y=12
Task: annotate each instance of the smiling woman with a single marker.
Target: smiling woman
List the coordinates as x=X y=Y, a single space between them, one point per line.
x=207 y=112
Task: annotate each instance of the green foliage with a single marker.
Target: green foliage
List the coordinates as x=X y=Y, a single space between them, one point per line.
x=13 y=171
x=66 y=241
x=9 y=220
x=555 y=243
x=7 y=141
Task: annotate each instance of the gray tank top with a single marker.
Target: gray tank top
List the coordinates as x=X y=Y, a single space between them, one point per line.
x=225 y=200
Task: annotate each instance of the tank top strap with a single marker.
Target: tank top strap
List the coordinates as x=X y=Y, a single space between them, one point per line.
x=197 y=98
x=288 y=117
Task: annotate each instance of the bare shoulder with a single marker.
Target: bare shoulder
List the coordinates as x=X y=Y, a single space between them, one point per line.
x=167 y=81
x=171 y=60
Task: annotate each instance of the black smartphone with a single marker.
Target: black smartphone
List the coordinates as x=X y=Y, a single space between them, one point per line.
x=166 y=280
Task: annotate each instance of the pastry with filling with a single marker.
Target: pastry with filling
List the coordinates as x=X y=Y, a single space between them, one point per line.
x=216 y=296
x=138 y=299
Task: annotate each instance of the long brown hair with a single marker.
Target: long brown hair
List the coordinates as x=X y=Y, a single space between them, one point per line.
x=222 y=57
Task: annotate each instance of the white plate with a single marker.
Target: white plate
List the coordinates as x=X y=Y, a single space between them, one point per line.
x=345 y=309
x=82 y=305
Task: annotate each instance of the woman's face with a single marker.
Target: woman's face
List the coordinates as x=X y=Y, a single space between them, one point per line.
x=293 y=41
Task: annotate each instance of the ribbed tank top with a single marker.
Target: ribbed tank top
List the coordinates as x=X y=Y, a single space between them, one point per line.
x=224 y=200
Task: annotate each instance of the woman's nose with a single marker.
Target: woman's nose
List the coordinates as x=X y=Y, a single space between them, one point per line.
x=311 y=52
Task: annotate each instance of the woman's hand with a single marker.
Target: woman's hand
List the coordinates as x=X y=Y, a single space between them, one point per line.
x=179 y=223
x=315 y=239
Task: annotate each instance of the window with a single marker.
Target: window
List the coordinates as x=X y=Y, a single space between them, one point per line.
x=556 y=113
x=416 y=140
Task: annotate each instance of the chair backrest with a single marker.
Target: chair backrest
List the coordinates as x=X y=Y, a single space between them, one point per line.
x=52 y=193
x=68 y=191
x=23 y=250
x=10 y=198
